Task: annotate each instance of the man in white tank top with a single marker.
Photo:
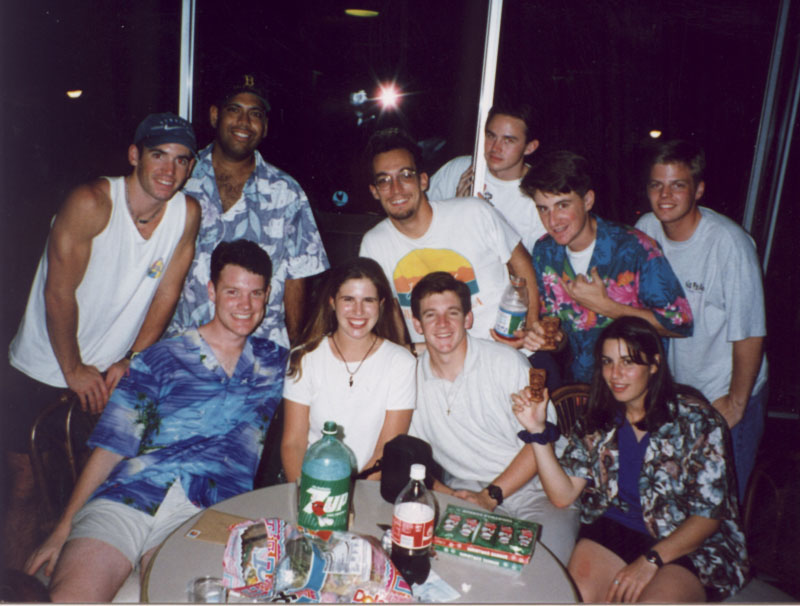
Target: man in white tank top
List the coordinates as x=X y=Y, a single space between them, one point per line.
x=116 y=257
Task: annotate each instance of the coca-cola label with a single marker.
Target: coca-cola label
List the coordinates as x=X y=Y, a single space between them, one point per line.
x=412 y=525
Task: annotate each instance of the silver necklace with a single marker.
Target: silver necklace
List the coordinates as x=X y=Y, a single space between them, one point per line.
x=347 y=368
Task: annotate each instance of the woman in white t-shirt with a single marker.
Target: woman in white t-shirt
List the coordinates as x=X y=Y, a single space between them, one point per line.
x=349 y=369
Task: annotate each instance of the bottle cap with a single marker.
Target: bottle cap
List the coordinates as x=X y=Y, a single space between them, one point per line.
x=417 y=471
x=329 y=427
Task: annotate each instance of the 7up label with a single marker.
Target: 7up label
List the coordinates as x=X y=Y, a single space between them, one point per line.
x=323 y=503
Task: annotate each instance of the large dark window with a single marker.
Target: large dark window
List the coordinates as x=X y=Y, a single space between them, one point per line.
x=123 y=56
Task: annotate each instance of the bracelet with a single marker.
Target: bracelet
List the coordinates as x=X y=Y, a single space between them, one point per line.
x=131 y=355
x=550 y=434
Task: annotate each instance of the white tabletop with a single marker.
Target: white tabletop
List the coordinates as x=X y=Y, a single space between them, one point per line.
x=181 y=558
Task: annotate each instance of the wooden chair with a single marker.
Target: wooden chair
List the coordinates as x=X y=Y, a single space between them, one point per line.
x=569 y=400
x=59 y=450
x=771 y=519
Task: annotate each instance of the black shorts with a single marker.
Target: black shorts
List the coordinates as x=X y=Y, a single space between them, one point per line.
x=629 y=545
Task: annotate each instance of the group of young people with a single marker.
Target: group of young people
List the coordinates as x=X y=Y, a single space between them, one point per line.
x=640 y=502
x=667 y=329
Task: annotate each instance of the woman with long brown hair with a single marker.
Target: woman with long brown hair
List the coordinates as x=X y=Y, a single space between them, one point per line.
x=650 y=463
x=349 y=369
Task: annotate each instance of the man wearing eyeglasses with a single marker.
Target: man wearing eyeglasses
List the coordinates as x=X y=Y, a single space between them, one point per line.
x=465 y=237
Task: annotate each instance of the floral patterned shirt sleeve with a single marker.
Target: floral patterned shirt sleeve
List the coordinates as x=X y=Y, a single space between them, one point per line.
x=274 y=212
x=635 y=273
x=178 y=416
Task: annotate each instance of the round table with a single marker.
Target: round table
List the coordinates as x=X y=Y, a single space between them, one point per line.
x=181 y=558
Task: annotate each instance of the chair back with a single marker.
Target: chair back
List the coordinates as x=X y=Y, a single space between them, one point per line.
x=771 y=518
x=59 y=451
x=569 y=400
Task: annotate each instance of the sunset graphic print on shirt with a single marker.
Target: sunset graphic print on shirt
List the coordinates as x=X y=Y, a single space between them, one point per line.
x=420 y=262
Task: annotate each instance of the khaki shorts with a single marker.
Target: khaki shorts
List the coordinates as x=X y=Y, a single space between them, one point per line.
x=132 y=532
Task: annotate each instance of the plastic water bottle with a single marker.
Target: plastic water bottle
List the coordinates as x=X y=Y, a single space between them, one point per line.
x=325 y=483
x=513 y=308
x=412 y=528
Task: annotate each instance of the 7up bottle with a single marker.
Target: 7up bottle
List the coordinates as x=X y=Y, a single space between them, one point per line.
x=324 y=500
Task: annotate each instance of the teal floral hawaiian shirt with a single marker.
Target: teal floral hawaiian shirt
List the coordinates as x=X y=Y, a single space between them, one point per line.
x=179 y=416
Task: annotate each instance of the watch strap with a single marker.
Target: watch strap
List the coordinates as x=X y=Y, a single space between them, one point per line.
x=495 y=492
x=654 y=557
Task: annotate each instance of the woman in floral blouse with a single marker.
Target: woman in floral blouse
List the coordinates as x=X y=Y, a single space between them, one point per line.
x=649 y=461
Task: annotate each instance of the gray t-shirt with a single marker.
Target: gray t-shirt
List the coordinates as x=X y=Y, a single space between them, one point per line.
x=719 y=270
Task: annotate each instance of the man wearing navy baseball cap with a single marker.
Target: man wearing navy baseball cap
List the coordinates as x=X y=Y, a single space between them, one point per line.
x=105 y=288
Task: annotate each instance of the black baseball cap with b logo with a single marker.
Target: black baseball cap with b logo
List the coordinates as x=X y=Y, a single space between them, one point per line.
x=243 y=83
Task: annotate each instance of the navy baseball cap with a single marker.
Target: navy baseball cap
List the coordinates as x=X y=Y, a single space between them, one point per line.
x=156 y=129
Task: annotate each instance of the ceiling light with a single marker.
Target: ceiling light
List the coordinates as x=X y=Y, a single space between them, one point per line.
x=74 y=94
x=360 y=12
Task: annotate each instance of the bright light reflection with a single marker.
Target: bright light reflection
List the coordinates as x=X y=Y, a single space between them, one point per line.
x=74 y=94
x=388 y=96
x=655 y=134
x=360 y=12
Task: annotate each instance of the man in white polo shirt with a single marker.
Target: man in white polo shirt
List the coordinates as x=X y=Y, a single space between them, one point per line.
x=464 y=388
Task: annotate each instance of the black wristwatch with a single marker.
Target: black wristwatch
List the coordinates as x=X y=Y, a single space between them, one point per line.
x=653 y=557
x=496 y=493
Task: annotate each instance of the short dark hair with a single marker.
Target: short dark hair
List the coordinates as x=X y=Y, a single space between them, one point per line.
x=438 y=282
x=558 y=172
x=389 y=139
x=678 y=151
x=521 y=111
x=243 y=253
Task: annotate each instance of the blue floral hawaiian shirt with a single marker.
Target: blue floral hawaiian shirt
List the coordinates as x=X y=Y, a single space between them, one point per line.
x=687 y=471
x=635 y=273
x=274 y=212
x=178 y=416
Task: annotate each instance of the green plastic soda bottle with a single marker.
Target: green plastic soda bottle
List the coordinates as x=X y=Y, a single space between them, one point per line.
x=325 y=483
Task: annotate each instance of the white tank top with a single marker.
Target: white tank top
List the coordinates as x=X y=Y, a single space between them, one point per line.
x=114 y=296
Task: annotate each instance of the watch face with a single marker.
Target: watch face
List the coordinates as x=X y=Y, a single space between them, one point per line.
x=495 y=492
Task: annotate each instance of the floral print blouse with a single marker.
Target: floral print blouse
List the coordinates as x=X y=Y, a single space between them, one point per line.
x=687 y=471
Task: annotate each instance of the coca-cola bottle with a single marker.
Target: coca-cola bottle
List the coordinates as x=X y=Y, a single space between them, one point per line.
x=412 y=528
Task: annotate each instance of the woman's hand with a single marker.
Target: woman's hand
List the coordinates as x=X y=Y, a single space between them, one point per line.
x=629 y=582
x=531 y=414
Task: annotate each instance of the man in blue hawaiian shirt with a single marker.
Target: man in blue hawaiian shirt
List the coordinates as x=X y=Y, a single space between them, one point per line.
x=242 y=196
x=182 y=431
x=591 y=271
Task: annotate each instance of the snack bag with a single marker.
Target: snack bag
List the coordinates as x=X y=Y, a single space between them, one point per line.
x=272 y=560
x=252 y=555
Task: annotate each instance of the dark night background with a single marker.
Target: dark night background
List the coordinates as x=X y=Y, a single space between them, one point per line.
x=601 y=74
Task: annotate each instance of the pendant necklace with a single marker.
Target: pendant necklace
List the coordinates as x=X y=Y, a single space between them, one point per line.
x=347 y=368
x=130 y=210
